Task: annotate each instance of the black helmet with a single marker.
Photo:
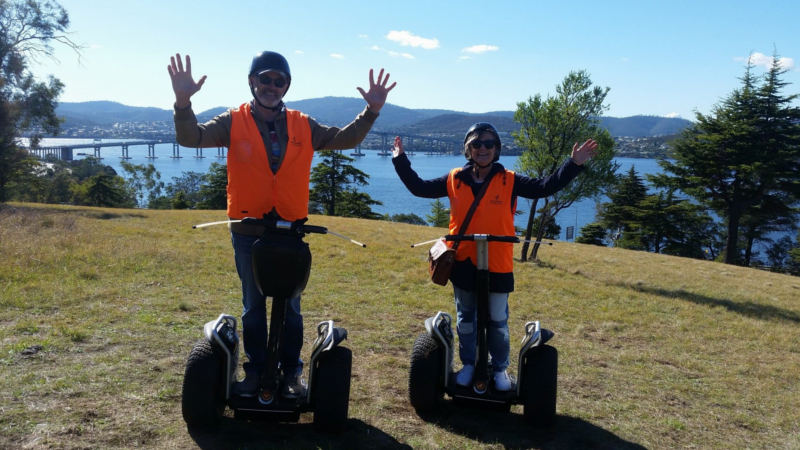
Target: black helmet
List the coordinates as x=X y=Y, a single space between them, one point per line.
x=267 y=60
x=476 y=130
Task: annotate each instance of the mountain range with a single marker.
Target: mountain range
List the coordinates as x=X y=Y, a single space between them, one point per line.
x=339 y=111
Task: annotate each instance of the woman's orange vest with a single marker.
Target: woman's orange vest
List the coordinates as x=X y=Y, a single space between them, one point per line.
x=253 y=190
x=494 y=215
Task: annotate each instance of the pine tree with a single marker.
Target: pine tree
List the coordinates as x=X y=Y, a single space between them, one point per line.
x=593 y=233
x=439 y=216
x=742 y=160
x=334 y=182
x=617 y=215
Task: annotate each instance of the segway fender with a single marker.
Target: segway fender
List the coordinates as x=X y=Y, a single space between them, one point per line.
x=440 y=328
x=535 y=336
x=328 y=337
x=222 y=333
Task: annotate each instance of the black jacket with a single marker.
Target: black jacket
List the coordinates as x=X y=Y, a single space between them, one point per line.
x=463 y=274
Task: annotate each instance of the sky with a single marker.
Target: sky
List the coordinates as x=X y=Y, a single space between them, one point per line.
x=664 y=58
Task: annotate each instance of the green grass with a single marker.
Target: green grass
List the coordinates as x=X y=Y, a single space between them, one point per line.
x=100 y=308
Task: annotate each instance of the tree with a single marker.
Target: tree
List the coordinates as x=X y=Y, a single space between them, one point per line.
x=106 y=190
x=353 y=203
x=624 y=196
x=742 y=160
x=144 y=182
x=214 y=190
x=333 y=187
x=592 y=233
x=439 y=216
x=411 y=218
x=188 y=185
x=27 y=28
x=549 y=128
x=179 y=201
x=794 y=257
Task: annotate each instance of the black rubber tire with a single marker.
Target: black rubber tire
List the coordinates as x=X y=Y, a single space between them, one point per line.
x=539 y=385
x=203 y=397
x=331 y=390
x=425 y=377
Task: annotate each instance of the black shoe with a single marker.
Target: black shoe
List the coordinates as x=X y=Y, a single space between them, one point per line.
x=247 y=387
x=294 y=386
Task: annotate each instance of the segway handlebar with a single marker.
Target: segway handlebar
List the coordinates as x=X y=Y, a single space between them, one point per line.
x=297 y=226
x=481 y=237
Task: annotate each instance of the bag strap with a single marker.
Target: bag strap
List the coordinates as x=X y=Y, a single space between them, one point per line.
x=472 y=209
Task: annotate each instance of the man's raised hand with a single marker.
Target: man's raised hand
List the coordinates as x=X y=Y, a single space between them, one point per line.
x=183 y=84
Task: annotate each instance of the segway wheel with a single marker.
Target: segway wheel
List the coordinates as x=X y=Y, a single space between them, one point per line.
x=426 y=375
x=331 y=390
x=203 y=398
x=540 y=379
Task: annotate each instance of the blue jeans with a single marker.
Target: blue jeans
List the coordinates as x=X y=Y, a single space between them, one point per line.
x=254 y=316
x=467 y=324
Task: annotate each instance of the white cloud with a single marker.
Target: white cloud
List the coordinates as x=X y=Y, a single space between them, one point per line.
x=624 y=59
x=337 y=56
x=376 y=48
x=299 y=52
x=363 y=36
x=481 y=48
x=406 y=39
x=672 y=115
x=401 y=55
x=762 y=60
x=464 y=57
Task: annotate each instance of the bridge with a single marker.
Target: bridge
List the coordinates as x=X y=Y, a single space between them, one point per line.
x=382 y=141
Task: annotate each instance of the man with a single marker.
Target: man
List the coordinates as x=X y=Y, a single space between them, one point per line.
x=270 y=148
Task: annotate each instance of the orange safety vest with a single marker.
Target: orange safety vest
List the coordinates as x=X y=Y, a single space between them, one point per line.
x=253 y=190
x=494 y=215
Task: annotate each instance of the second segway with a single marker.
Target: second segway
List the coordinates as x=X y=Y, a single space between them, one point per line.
x=431 y=374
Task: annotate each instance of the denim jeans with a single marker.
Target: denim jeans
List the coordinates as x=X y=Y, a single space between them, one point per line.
x=467 y=327
x=254 y=316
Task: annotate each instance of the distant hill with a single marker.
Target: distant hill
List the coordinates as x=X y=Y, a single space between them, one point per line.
x=107 y=113
x=458 y=123
x=644 y=126
x=339 y=111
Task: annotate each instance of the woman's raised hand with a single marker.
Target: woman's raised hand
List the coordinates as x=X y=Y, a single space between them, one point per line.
x=585 y=152
x=398 y=147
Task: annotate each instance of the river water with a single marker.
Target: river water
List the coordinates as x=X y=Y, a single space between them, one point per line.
x=384 y=185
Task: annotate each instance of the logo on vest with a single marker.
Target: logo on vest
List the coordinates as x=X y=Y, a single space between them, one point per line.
x=295 y=142
x=496 y=200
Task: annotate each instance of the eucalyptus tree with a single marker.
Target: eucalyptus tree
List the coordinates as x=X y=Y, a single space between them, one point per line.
x=27 y=105
x=549 y=128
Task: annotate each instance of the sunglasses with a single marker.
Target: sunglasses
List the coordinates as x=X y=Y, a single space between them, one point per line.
x=487 y=144
x=266 y=80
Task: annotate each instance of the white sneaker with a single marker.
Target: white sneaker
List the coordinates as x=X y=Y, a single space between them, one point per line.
x=464 y=376
x=501 y=381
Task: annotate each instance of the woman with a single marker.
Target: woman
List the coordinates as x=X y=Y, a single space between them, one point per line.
x=493 y=215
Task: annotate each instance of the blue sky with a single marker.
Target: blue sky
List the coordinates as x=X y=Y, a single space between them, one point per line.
x=659 y=58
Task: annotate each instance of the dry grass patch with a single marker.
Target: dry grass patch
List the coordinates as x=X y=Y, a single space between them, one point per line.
x=101 y=307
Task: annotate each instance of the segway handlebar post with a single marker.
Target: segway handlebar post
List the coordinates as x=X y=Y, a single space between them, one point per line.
x=282 y=225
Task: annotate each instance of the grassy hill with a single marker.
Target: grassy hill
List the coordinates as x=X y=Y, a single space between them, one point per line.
x=100 y=308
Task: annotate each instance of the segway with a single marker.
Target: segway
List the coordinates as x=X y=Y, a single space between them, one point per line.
x=431 y=374
x=281 y=265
